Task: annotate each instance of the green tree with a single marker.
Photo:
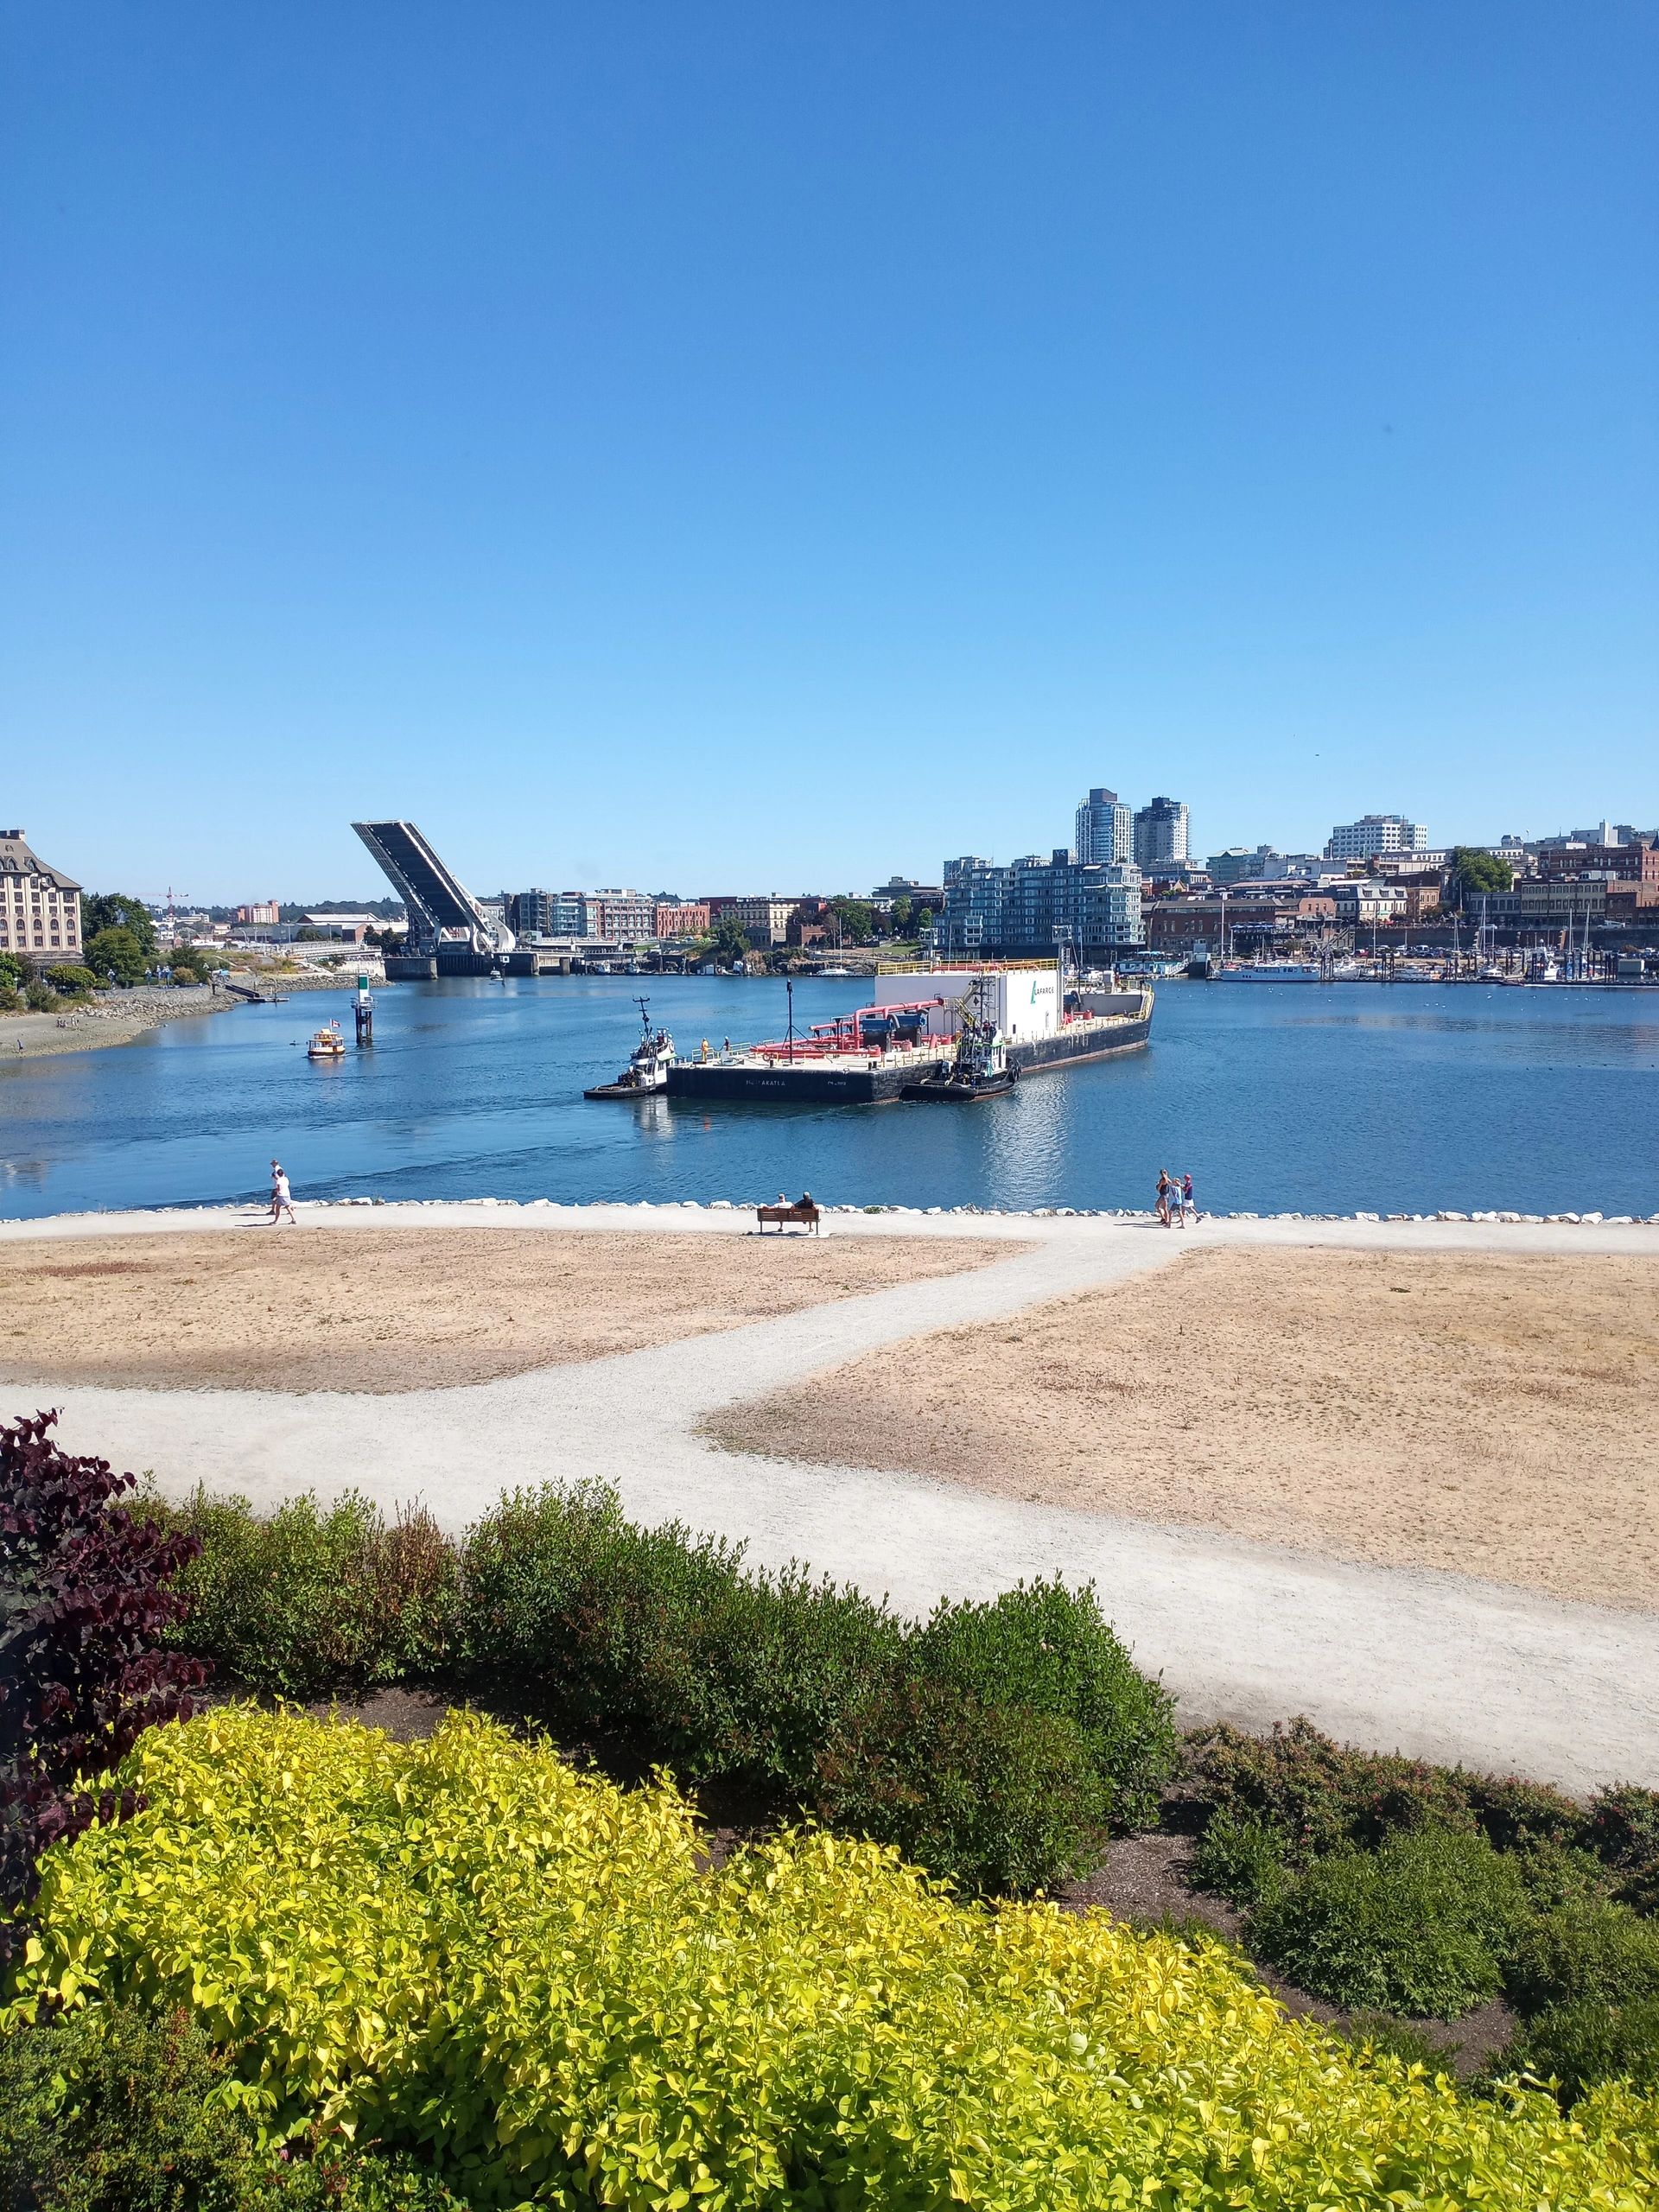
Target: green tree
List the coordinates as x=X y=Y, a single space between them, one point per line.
x=118 y=954
x=1474 y=871
x=11 y=973
x=117 y=910
x=901 y=917
x=731 y=939
x=857 y=919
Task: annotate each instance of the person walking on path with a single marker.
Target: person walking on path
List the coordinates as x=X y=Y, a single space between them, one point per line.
x=282 y=1198
x=1189 y=1204
x=1167 y=1192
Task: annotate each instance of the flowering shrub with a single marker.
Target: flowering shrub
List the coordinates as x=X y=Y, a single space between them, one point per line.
x=463 y=1947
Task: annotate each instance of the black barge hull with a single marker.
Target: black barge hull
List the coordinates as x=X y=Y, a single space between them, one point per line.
x=811 y=1082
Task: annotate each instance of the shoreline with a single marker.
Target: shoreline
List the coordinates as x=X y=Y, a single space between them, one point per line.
x=120 y=1018
x=1516 y=1231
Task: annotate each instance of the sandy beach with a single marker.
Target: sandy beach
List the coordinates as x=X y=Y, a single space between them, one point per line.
x=394 y=1310
x=1481 y=1414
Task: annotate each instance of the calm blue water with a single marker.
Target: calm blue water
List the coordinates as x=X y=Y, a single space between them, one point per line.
x=1277 y=1096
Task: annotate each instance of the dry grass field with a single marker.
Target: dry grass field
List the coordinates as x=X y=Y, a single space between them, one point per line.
x=393 y=1310
x=1490 y=1415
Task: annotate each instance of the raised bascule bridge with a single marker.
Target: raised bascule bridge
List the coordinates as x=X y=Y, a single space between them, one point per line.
x=449 y=933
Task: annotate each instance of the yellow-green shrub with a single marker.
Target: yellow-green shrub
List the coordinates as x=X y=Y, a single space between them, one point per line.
x=464 y=1945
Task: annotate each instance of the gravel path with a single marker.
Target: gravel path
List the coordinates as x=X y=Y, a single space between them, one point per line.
x=1440 y=1665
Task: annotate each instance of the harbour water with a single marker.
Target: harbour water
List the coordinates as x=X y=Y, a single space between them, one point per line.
x=1283 y=1096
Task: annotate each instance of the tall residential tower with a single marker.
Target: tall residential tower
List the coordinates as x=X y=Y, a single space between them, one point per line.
x=1105 y=830
x=1160 y=833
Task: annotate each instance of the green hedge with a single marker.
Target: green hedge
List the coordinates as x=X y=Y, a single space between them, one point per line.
x=1421 y=1925
x=997 y=1743
x=1597 y=1950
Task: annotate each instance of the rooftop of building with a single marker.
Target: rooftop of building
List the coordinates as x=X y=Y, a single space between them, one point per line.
x=16 y=858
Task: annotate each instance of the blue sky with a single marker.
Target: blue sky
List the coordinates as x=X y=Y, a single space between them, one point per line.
x=770 y=446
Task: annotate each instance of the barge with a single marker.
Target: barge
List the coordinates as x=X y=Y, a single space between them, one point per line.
x=910 y=1036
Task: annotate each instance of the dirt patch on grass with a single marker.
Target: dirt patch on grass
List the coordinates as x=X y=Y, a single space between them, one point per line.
x=1488 y=1415
x=392 y=1310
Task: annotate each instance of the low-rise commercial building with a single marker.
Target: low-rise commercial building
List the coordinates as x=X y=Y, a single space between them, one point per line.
x=1367 y=898
x=690 y=918
x=39 y=907
x=766 y=919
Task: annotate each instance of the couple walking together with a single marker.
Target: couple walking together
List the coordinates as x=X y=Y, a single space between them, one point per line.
x=1175 y=1200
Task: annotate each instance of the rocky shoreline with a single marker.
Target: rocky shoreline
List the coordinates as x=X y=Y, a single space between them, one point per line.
x=118 y=1017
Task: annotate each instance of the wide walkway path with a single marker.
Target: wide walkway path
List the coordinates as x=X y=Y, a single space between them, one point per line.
x=1438 y=1665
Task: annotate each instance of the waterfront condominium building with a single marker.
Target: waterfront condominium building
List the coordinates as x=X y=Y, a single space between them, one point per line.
x=39 y=907
x=1034 y=906
x=1373 y=835
x=1160 y=833
x=627 y=916
x=1105 y=831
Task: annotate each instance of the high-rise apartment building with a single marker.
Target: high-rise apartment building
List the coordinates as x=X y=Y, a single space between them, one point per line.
x=39 y=907
x=1161 y=829
x=1373 y=835
x=1105 y=832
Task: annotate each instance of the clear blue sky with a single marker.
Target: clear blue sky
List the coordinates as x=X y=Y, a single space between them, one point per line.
x=770 y=446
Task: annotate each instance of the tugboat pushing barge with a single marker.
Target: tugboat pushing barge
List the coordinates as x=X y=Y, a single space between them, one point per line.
x=646 y=1074
x=909 y=1043
x=980 y=1068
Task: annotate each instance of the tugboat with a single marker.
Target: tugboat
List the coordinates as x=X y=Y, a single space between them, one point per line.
x=980 y=1067
x=646 y=1073
x=327 y=1044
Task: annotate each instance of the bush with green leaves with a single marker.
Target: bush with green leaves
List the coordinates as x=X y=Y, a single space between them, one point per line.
x=1624 y=1835
x=659 y=1643
x=653 y=1646
x=117 y=2109
x=311 y=1599
x=1240 y=1856
x=1321 y=1795
x=999 y=1799
x=1421 y=1925
x=1598 y=1950
x=1048 y=1648
x=1579 y=2045
x=73 y=981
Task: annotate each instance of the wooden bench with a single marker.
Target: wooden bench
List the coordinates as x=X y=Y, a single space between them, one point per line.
x=803 y=1211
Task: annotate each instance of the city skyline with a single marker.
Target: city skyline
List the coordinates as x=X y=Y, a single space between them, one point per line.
x=628 y=440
